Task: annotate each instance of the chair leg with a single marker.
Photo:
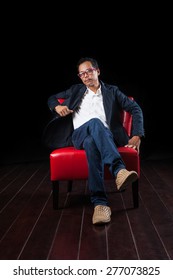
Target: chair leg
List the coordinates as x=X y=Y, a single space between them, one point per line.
x=55 y=194
x=135 y=194
x=70 y=185
x=55 y=188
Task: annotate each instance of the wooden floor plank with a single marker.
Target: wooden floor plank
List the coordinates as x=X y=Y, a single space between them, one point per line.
x=15 y=182
x=93 y=243
x=120 y=239
x=39 y=242
x=148 y=243
x=65 y=244
x=161 y=184
x=23 y=225
x=158 y=210
x=24 y=191
x=31 y=229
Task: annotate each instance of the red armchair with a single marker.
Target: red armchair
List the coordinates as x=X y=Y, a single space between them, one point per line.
x=71 y=164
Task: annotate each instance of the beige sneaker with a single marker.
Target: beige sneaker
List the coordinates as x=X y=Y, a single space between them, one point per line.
x=102 y=214
x=125 y=178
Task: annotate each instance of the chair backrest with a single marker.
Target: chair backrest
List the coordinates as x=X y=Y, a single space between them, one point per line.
x=127 y=120
x=126 y=117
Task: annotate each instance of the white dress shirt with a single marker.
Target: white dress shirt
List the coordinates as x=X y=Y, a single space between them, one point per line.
x=90 y=107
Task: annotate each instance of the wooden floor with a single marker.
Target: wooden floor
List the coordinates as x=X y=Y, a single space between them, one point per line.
x=30 y=229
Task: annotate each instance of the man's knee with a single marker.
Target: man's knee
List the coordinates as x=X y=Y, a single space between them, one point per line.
x=96 y=123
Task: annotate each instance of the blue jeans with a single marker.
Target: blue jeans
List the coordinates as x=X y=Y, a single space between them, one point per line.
x=98 y=143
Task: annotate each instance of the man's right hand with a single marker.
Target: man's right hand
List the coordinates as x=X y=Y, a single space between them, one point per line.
x=63 y=110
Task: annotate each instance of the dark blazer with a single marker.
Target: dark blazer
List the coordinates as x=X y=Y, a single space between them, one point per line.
x=59 y=129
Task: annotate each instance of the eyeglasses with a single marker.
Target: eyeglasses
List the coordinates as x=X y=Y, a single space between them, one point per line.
x=88 y=71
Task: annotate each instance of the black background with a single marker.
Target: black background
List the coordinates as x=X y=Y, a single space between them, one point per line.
x=41 y=46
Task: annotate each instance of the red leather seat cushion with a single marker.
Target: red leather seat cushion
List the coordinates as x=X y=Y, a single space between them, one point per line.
x=71 y=164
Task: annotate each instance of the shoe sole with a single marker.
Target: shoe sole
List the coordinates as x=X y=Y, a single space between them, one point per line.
x=129 y=180
x=101 y=222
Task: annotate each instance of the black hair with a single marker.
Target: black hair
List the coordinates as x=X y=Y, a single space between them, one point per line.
x=92 y=60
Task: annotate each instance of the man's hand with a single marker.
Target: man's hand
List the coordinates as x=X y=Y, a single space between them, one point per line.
x=134 y=143
x=63 y=110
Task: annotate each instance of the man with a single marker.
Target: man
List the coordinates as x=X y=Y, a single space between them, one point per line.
x=90 y=119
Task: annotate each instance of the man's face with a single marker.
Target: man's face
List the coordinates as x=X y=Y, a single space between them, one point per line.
x=88 y=74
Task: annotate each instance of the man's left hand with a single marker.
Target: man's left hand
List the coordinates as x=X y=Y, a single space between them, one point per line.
x=134 y=143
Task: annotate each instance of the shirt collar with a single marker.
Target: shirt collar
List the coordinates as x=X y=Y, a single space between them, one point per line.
x=98 y=92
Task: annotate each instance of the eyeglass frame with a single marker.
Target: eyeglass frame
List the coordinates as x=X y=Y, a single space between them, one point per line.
x=82 y=74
